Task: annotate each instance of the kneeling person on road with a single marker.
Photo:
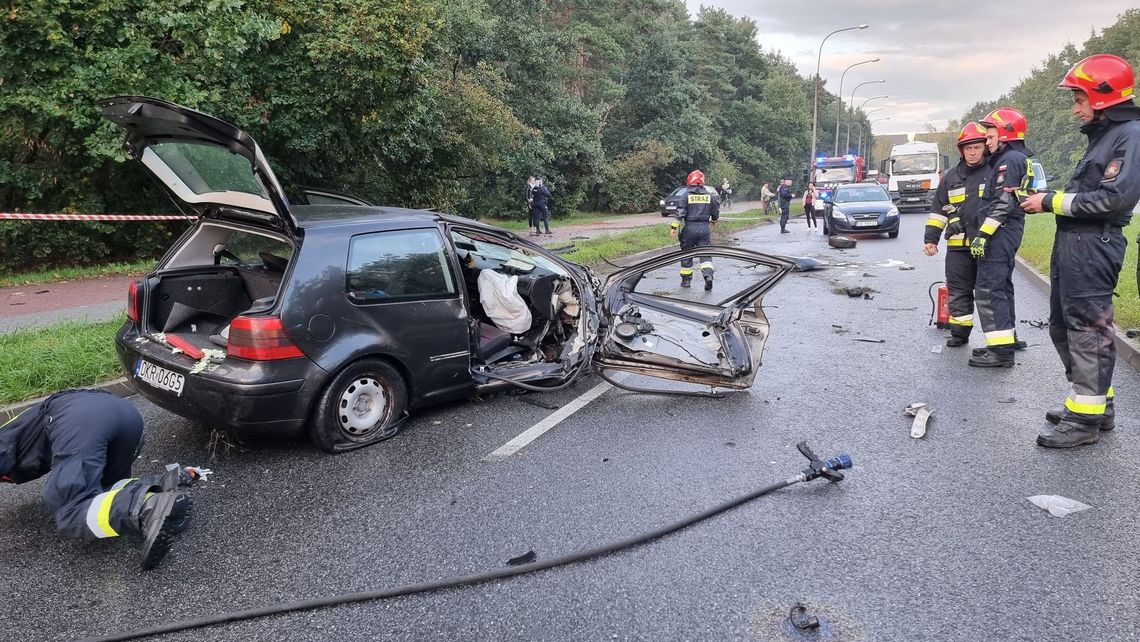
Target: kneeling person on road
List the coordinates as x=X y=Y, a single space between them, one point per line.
x=699 y=209
x=86 y=441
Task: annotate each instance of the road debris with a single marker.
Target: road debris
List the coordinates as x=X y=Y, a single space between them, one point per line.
x=841 y=242
x=525 y=558
x=937 y=349
x=1036 y=324
x=1007 y=400
x=905 y=268
x=870 y=340
x=801 y=621
x=1056 y=505
x=210 y=361
x=921 y=412
x=806 y=264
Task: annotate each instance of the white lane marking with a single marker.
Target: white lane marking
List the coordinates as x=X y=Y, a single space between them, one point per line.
x=555 y=418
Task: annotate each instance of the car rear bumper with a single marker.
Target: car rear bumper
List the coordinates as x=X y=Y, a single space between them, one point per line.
x=255 y=398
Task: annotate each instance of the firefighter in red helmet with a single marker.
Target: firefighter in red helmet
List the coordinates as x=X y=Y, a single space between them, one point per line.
x=1001 y=226
x=954 y=214
x=699 y=209
x=1088 y=251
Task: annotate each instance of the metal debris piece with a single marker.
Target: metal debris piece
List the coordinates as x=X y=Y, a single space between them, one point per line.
x=921 y=412
x=806 y=264
x=841 y=242
x=800 y=619
x=870 y=340
x=525 y=558
x=1058 y=506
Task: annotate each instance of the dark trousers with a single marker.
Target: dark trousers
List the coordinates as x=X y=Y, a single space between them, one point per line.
x=961 y=275
x=95 y=438
x=785 y=206
x=993 y=290
x=696 y=235
x=1084 y=270
x=809 y=214
x=541 y=214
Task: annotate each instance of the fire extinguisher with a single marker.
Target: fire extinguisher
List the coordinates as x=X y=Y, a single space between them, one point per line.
x=940 y=308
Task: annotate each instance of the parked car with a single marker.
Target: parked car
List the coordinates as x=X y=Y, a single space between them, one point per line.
x=672 y=202
x=862 y=208
x=269 y=317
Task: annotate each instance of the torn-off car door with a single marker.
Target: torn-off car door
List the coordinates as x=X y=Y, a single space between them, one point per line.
x=705 y=339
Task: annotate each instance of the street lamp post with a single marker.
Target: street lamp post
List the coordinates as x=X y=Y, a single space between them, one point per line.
x=859 y=147
x=839 y=104
x=869 y=132
x=815 y=83
x=847 y=145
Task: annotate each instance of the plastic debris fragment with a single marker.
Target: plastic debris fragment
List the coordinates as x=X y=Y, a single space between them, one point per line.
x=1056 y=505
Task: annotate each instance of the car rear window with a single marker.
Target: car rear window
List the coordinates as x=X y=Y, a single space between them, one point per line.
x=208 y=168
x=398 y=266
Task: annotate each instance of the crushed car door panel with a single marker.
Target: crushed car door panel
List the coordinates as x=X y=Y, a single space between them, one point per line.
x=711 y=342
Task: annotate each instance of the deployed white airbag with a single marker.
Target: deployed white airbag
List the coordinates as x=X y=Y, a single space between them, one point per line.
x=499 y=296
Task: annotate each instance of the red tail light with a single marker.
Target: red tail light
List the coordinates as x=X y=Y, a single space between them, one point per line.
x=133 y=301
x=260 y=339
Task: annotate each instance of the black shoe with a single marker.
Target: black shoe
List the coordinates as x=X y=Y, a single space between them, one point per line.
x=1107 y=420
x=1067 y=434
x=977 y=352
x=1020 y=345
x=991 y=359
x=708 y=283
x=784 y=231
x=686 y=282
x=163 y=517
x=956 y=341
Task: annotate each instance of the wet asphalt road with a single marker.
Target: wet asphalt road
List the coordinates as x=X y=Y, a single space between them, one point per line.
x=928 y=539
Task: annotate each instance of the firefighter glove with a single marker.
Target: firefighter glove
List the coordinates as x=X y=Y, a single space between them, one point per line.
x=954 y=227
x=978 y=247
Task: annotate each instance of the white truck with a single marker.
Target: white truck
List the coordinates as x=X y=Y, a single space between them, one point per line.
x=913 y=172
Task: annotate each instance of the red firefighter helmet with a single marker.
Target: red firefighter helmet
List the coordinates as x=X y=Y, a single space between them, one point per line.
x=971 y=133
x=1010 y=123
x=696 y=177
x=1107 y=79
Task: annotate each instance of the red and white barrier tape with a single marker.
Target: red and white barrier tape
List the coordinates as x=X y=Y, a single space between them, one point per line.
x=21 y=216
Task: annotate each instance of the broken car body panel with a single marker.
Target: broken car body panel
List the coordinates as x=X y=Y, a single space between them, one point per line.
x=717 y=345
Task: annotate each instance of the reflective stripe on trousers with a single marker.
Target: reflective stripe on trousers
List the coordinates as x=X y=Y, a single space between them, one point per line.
x=994 y=288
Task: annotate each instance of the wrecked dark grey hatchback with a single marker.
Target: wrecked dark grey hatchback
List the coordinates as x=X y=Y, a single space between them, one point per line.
x=337 y=319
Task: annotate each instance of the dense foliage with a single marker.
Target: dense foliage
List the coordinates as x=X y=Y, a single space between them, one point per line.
x=426 y=103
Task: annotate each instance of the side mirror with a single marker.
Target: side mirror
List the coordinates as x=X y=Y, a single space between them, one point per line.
x=945 y=161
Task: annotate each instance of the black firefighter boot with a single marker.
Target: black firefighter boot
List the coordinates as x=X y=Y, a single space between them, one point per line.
x=163 y=516
x=1107 y=420
x=708 y=283
x=1068 y=434
x=957 y=340
x=993 y=359
x=686 y=281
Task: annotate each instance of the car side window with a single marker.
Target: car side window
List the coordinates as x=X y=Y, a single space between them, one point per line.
x=398 y=266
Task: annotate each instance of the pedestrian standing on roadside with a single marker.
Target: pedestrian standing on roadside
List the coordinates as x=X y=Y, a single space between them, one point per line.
x=1088 y=251
x=785 y=194
x=86 y=442
x=540 y=195
x=809 y=205
x=528 y=200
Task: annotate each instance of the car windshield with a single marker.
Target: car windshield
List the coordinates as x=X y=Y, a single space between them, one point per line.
x=915 y=164
x=835 y=174
x=512 y=257
x=862 y=193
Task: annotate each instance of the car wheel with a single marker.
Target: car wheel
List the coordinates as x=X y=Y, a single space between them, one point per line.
x=893 y=235
x=364 y=404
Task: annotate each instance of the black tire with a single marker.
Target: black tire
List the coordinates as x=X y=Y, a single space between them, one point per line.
x=365 y=403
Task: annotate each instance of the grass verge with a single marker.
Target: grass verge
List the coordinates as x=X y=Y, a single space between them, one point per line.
x=70 y=354
x=1038 y=245
x=75 y=273
x=578 y=218
x=612 y=246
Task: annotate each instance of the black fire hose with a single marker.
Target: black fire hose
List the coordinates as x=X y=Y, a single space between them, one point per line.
x=828 y=469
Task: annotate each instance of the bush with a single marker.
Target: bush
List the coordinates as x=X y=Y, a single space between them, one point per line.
x=627 y=184
x=34 y=244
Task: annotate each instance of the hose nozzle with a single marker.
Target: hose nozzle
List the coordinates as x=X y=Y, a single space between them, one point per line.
x=829 y=469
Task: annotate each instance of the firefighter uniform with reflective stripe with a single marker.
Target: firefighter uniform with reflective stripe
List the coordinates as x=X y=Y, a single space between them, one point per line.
x=1001 y=226
x=954 y=213
x=699 y=207
x=86 y=442
x=1088 y=253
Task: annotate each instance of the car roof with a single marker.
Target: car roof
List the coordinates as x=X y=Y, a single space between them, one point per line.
x=319 y=216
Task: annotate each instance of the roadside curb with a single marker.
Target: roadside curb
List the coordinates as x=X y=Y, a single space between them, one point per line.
x=1125 y=347
x=120 y=387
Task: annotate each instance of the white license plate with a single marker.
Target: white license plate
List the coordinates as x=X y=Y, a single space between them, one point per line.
x=866 y=223
x=159 y=377
x=912 y=199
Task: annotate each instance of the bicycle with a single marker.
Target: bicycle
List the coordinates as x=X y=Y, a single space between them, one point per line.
x=726 y=203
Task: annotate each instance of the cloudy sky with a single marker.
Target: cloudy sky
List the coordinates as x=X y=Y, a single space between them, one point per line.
x=938 y=58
